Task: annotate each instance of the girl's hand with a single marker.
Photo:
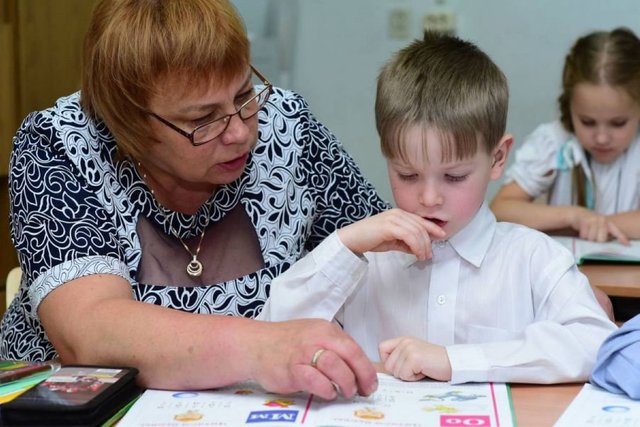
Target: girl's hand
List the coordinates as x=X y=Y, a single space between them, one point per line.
x=595 y=227
x=391 y=230
x=412 y=359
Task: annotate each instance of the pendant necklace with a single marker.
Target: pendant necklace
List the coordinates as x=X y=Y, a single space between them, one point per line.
x=194 y=267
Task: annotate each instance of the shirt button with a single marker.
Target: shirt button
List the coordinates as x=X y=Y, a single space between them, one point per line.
x=441 y=299
x=440 y=243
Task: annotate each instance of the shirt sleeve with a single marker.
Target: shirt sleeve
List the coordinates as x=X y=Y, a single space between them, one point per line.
x=535 y=168
x=342 y=194
x=59 y=228
x=559 y=345
x=317 y=285
x=618 y=365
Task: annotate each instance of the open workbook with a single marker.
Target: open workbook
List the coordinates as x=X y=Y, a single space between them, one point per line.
x=613 y=251
x=396 y=403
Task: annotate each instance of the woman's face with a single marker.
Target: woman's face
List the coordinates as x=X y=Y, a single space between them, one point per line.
x=222 y=160
x=605 y=120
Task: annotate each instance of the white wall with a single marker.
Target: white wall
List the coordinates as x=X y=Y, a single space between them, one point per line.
x=341 y=45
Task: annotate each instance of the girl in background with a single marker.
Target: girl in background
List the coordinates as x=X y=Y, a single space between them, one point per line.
x=587 y=163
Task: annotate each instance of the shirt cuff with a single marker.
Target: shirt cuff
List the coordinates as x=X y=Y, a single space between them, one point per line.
x=337 y=263
x=468 y=363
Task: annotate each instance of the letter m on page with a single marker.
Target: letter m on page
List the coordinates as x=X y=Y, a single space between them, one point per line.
x=285 y=416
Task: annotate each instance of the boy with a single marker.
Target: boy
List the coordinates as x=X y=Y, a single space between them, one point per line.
x=437 y=288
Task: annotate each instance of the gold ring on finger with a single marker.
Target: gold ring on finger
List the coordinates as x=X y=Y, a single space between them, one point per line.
x=316 y=356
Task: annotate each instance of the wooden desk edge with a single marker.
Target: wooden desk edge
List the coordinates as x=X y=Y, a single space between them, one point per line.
x=616 y=280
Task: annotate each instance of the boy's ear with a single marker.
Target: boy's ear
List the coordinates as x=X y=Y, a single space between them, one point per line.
x=500 y=156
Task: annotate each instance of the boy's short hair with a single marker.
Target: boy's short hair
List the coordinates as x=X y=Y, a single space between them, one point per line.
x=131 y=46
x=446 y=84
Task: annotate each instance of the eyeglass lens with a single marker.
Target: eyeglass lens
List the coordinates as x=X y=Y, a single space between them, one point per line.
x=214 y=129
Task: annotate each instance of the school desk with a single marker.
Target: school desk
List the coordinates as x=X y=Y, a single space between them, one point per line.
x=541 y=405
x=616 y=280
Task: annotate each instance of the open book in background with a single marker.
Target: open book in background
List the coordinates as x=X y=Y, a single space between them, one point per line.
x=613 y=251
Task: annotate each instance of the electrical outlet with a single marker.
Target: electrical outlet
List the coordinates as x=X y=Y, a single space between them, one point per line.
x=441 y=21
x=399 y=23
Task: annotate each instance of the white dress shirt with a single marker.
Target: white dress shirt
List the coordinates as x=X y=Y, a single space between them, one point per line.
x=507 y=301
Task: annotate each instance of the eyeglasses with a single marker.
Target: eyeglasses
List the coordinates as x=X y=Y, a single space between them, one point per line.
x=209 y=131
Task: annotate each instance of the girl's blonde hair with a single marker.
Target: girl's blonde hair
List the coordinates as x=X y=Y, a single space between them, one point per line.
x=131 y=46
x=600 y=57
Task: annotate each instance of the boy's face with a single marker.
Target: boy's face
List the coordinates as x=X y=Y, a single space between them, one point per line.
x=448 y=194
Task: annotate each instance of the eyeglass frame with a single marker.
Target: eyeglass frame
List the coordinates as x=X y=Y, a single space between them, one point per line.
x=226 y=118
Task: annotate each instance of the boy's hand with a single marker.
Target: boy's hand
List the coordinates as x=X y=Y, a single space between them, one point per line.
x=595 y=227
x=392 y=230
x=412 y=359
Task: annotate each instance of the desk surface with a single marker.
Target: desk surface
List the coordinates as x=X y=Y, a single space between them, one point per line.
x=541 y=405
x=616 y=280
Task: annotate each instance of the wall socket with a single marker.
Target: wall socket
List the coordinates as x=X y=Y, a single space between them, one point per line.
x=399 y=23
x=441 y=21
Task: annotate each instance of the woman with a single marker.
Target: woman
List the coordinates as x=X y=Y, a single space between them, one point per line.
x=152 y=210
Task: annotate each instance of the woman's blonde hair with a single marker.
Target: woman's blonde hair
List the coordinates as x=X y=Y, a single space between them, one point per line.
x=132 y=45
x=447 y=84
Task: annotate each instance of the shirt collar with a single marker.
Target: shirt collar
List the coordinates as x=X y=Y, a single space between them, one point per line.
x=473 y=241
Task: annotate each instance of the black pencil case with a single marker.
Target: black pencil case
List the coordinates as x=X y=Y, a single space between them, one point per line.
x=75 y=395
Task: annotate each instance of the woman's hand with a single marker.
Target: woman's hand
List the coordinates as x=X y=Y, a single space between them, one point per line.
x=595 y=227
x=412 y=359
x=311 y=355
x=392 y=230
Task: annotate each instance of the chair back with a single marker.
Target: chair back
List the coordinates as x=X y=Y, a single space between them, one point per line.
x=13 y=284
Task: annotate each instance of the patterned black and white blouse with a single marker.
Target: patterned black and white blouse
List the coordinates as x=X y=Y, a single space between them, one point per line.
x=77 y=211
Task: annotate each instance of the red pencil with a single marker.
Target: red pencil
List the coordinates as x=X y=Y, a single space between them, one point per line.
x=22 y=372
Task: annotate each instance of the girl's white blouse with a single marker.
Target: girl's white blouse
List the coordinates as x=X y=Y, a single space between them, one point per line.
x=543 y=166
